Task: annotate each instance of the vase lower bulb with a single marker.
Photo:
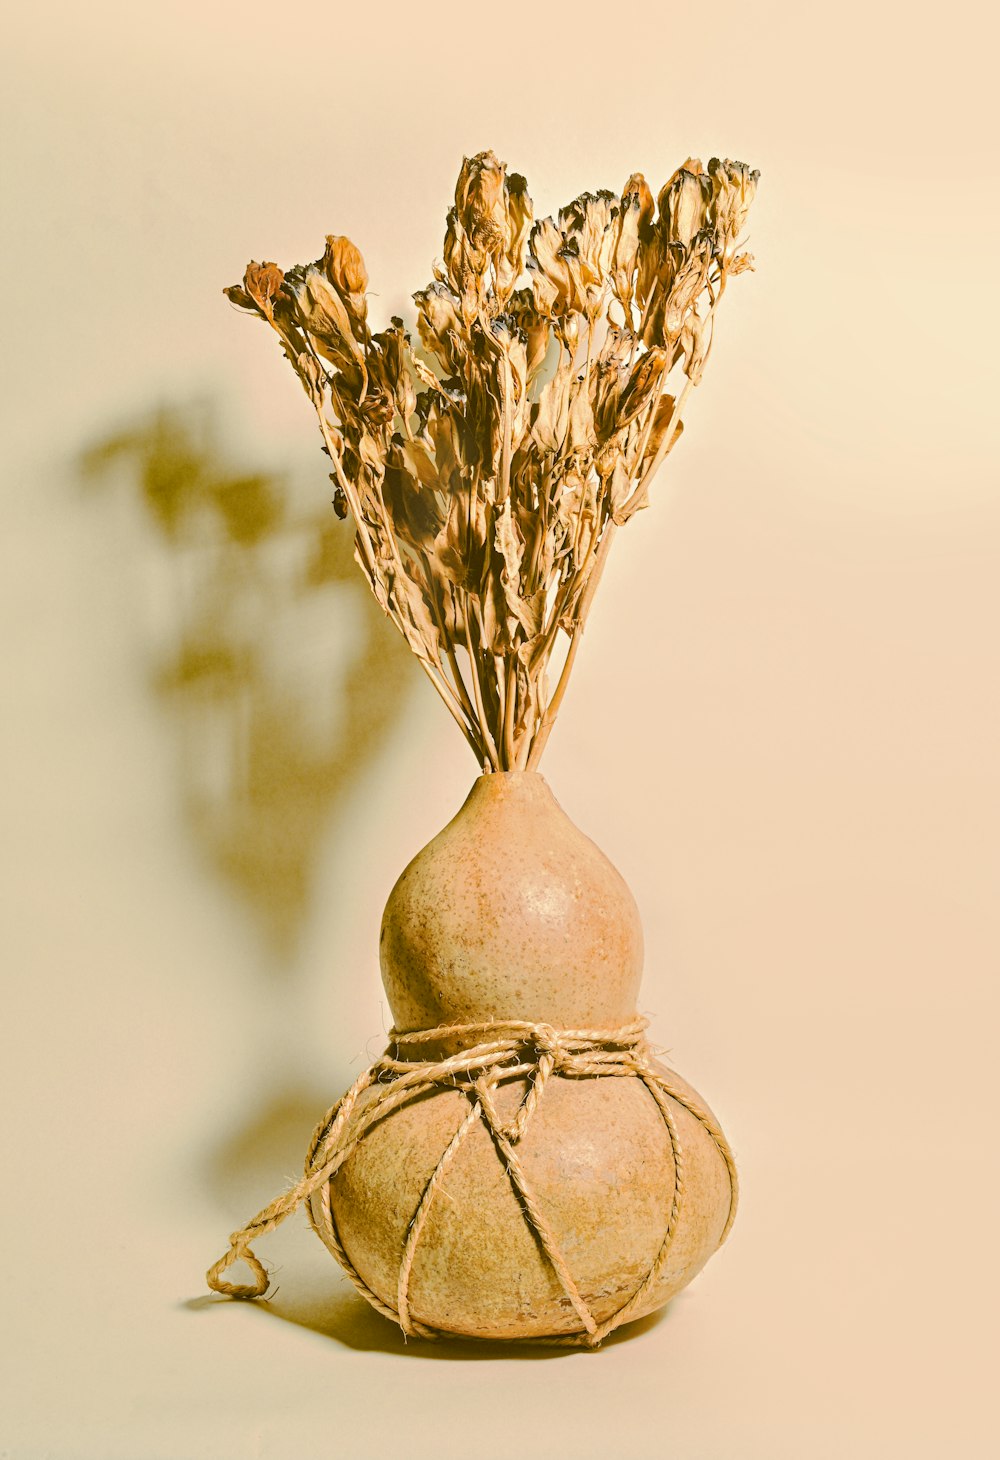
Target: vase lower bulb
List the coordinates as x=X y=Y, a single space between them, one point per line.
x=628 y=1222
x=550 y=1180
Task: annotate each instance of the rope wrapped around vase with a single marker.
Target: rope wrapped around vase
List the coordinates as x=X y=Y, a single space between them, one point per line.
x=502 y=1050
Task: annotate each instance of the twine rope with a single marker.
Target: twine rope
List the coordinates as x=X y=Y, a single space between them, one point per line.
x=497 y=1052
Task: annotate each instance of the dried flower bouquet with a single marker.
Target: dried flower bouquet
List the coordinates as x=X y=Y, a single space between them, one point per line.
x=488 y=469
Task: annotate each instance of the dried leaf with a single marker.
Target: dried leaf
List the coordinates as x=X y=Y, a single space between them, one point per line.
x=421 y=464
x=510 y=545
x=662 y=419
x=550 y=420
x=424 y=373
x=582 y=430
x=618 y=489
x=415 y=515
x=462 y=544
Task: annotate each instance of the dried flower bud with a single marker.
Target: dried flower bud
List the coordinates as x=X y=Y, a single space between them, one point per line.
x=638 y=188
x=605 y=394
x=735 y=186
x=466 y=266
x=388 y=364
x=345 y=268
x=520 y=209
x=684 y=203
x=645 y=380
x=319 y=311
x=312 y=377
x=591 y=223
x=533 y=326
x=635 y=212
x=504 y=337
x=480 y=202
x=688 y=283
x=262 y=282
x=567 y=330
x=554 y=267
x=520 y=214
x=653 y=253
x=662 y=418
x=439 y=324
x=455 y=250
x=619 y=488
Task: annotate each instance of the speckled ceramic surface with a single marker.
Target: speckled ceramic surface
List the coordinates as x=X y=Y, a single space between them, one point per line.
x=511 y=912
x=599 y=1158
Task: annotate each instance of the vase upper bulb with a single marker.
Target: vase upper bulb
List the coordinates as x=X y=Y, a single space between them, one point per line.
x=511 y=912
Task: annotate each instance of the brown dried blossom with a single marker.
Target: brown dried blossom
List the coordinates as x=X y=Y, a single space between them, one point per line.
x=488 y=468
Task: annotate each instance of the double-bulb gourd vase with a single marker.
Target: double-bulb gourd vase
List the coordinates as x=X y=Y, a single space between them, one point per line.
x=614 y=1187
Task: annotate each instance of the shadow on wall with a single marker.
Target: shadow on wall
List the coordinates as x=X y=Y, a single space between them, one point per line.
x=275 y=715
x=280 y=679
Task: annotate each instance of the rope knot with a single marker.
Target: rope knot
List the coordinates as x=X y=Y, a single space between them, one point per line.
x=548 y=1045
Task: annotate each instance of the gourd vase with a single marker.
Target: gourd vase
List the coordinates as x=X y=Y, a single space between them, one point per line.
x=512 y=913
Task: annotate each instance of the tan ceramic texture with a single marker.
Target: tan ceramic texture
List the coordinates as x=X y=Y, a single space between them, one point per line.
x=511 y=912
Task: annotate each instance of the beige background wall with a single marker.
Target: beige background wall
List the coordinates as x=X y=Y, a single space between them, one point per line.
x=783 y=728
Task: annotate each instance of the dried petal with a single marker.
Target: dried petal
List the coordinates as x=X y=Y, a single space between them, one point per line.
x=238 y=295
